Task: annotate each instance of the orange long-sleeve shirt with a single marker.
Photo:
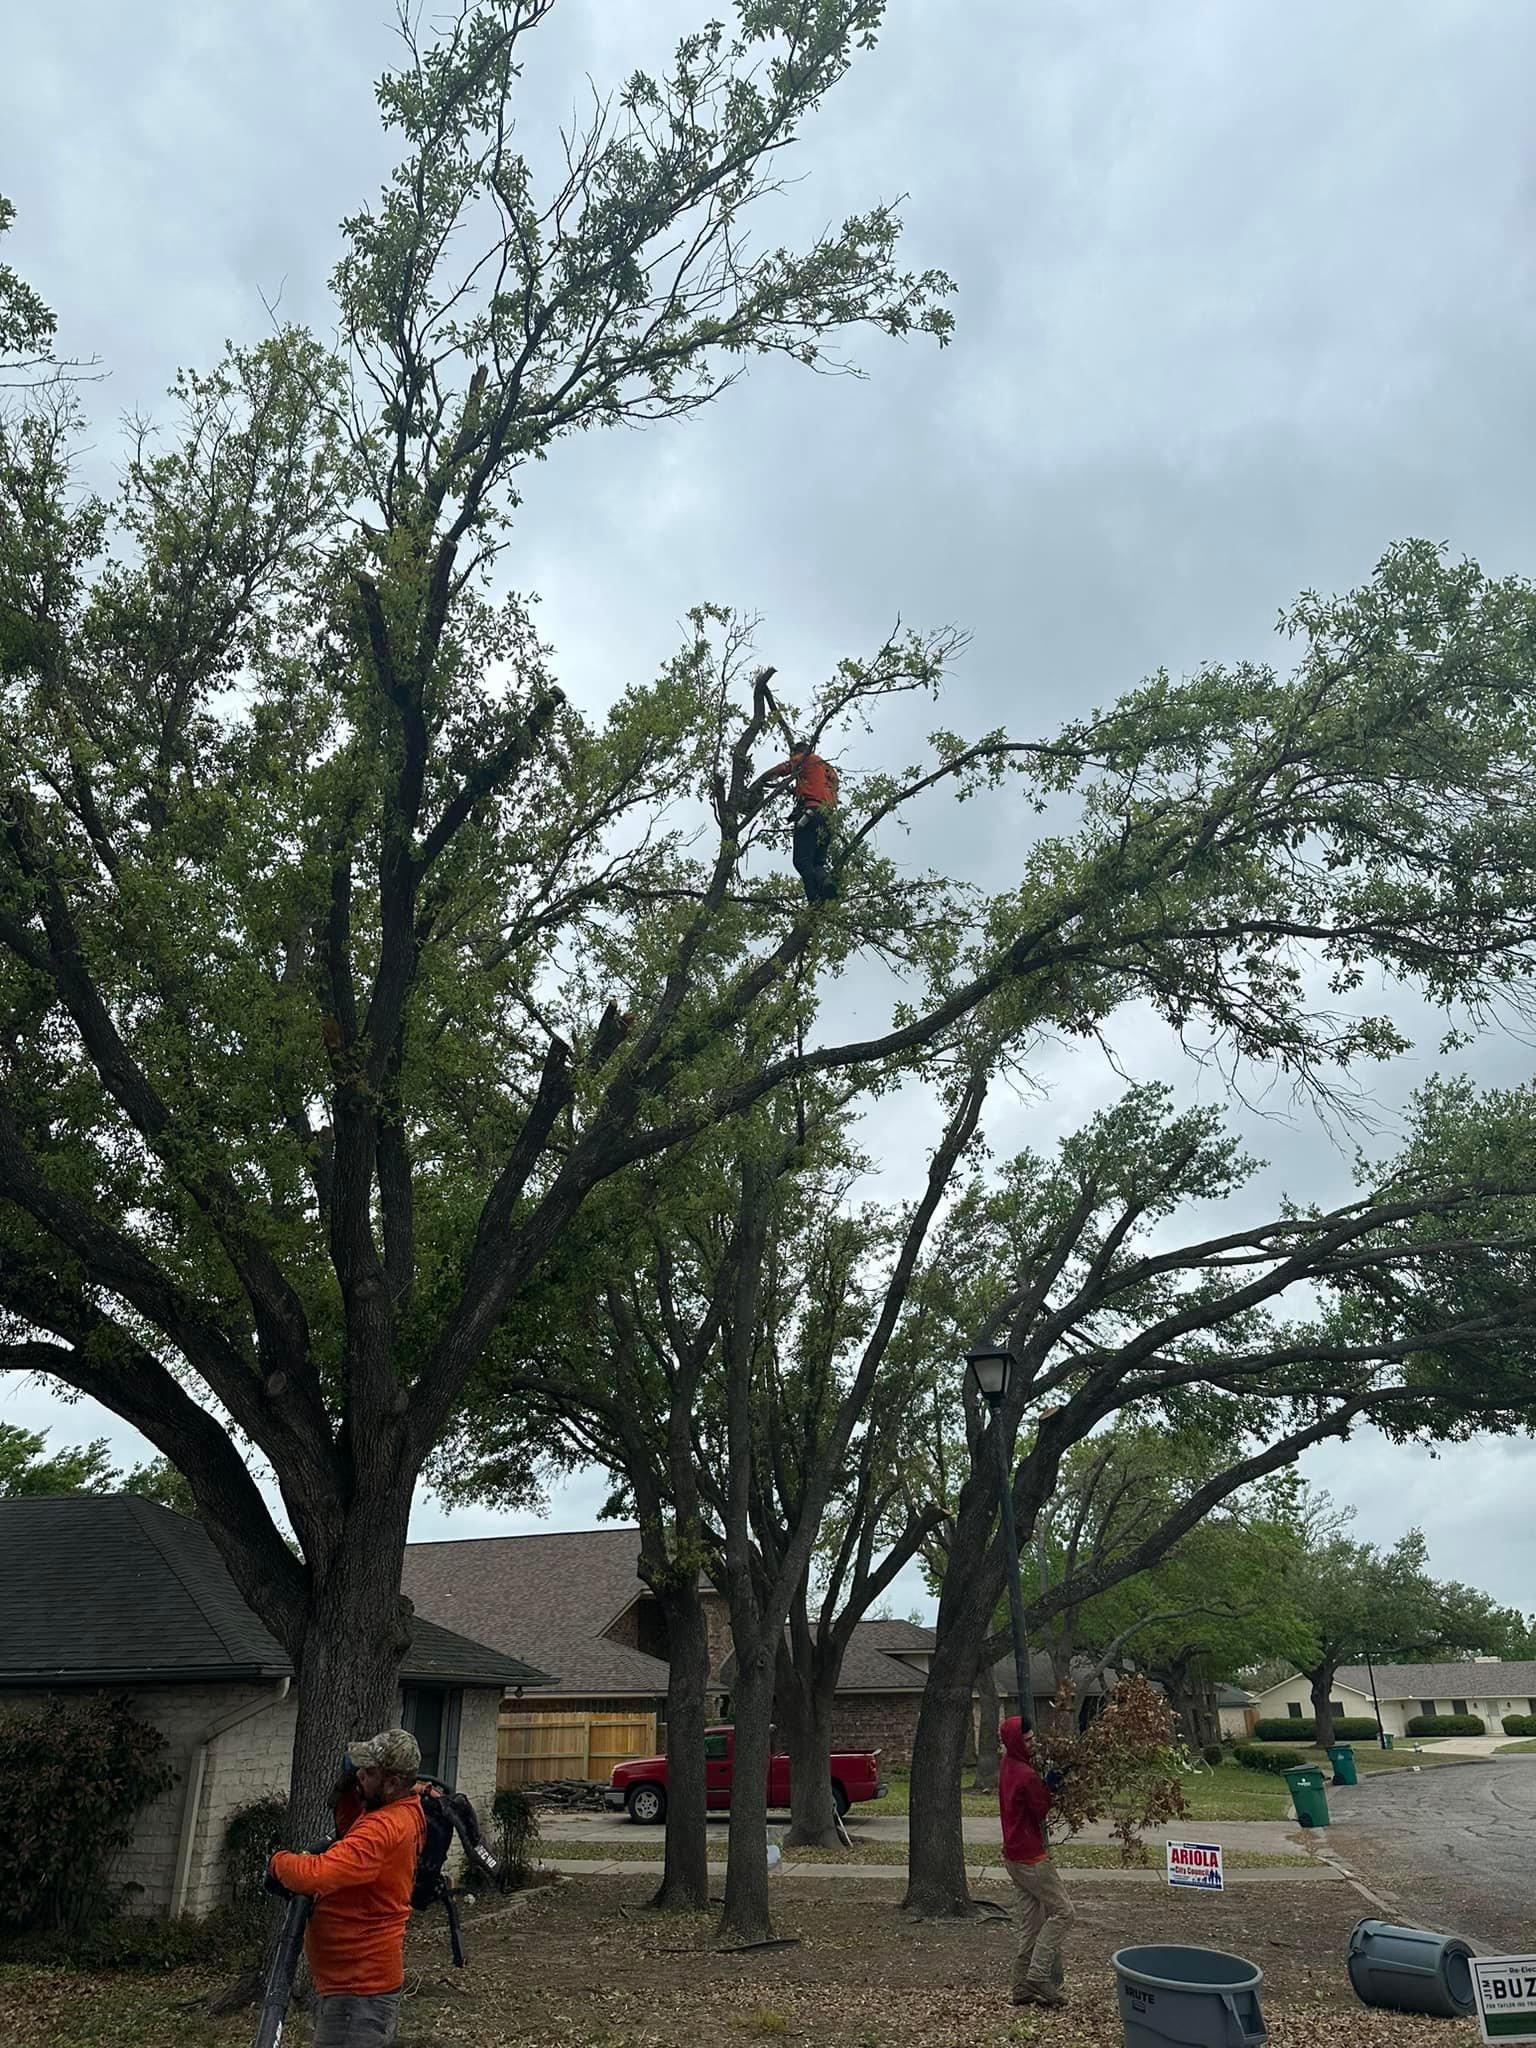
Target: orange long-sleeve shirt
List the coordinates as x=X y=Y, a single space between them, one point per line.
x=355 y=1941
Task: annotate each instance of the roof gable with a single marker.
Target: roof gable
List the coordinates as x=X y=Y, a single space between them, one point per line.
x=553 y=1593
x=99 y=1589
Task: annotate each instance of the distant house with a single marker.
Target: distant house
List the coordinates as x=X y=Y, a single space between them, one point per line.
x=1474 y=1685
x=111 y=1593
x=575 y=1603
x=1236 y=1711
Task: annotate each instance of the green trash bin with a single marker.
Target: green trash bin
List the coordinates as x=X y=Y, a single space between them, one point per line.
x=1308 y=1797
x=1342 y=1757
x=1386 y=1742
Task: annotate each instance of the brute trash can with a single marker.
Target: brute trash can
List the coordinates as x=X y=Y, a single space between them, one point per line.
x=1409 y=1969
x=1308 y=1797
x=1192 y=1997
x=1342 y=1757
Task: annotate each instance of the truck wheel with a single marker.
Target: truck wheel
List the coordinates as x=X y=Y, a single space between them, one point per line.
x=839 y=1800
x=647 y=1804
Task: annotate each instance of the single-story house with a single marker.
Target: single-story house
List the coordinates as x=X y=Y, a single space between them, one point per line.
x=1237 y=1712
x=575 y=1603
x=1471 y=1685
x=111 y=1593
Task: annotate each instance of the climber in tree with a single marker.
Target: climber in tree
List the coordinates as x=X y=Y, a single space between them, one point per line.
x=815 y=794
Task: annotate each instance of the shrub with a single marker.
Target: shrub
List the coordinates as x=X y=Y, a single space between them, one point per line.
x=1519 y=1724
x=1346 y=1728
x=517 y=1831
x=1447 y=1724
x=1213 y=1754
x=75 y=1773
x=252 y=1836
x=1253 y=1757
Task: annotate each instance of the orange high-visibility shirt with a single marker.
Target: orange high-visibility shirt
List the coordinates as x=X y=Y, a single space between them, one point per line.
x=355 y=1941
x=815 y=779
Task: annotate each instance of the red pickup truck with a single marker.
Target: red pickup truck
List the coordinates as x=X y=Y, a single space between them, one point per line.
x=640 y=1786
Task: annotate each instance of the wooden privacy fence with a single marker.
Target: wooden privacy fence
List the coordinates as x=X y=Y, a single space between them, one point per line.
x=532 y=1748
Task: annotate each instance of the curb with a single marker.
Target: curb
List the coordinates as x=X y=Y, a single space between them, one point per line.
x=1305 y=1872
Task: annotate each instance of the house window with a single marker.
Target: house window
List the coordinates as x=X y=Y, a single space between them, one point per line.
x=1458 y=1706
x=1426 y=1706
x=1336 y=1708
x=714 y=1749
x=431 y=1712
x=1532 y=1705
x=1293 y=1708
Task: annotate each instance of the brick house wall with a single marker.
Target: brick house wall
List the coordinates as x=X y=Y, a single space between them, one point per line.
x=886 y=1721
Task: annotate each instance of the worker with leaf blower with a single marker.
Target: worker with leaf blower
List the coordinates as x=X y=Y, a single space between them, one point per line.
x=361 y=1886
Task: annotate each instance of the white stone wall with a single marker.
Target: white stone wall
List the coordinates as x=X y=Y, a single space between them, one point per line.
x=476 y=1777
x=245 y=1763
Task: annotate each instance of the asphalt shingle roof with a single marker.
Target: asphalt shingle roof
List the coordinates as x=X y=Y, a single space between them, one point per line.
x=1464 y=1679
x=552 y=1593
x=105 y=1589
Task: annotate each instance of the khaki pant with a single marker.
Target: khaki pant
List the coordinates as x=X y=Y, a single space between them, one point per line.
x=1045 y=1914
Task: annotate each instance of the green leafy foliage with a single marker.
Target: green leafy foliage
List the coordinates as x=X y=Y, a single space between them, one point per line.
x=1446 y=1724
x=75 y=1773
x=27 y=1469
x=1253 y=1758
x=252 y=1836
x=1519 y=1724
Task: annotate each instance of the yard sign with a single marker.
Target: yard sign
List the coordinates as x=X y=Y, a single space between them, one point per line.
x=1506 y=1997
x=1195 y=1866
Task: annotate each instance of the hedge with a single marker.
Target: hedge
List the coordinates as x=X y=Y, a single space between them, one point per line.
x=1520 y=1724
x=1253 y=1758
x=1447 y=1724
x=1346 y=1728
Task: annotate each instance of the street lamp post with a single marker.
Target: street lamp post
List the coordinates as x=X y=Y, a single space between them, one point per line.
x=992 y=1369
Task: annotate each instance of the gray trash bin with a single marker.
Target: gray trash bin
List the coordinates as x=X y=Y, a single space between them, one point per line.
x=1195 y=1997
x=1409 y=1969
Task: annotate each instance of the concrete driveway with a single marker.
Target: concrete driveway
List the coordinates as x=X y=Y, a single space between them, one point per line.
x=1453 y=1849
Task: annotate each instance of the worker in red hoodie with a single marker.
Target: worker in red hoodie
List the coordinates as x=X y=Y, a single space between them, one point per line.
x=1045 y=1911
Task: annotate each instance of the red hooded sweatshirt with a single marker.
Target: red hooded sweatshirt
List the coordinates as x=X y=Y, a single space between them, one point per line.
x=1023 y=1797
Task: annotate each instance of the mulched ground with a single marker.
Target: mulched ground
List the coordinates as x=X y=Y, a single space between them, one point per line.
x=587 y=1966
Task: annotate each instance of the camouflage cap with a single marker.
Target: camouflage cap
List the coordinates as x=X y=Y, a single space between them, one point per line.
x=394 y=1749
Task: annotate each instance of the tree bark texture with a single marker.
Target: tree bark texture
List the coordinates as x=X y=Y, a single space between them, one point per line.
x=348 y=1672
x=684 y=1884
x=936 y=1881
x=1322 y=1705
x=806 y=1706
x=989 y=1717
x=746 y=1915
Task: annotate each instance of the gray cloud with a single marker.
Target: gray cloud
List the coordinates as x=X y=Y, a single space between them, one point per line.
x=1246 y=294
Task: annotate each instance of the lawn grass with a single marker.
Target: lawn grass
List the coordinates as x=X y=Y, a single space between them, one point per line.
x=1070 y=1855
x=1516 y=1749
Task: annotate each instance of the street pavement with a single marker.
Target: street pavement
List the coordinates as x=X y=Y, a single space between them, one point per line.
x=1452 y=1849
x=1265 y=1837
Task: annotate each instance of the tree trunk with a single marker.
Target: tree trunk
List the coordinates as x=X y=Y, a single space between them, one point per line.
x=1322 y=1706
x=684 y=1884
x=989 y=1715
x=746 y=1915
x=806 y=1713
x=348 y=1678
x=936 y=1883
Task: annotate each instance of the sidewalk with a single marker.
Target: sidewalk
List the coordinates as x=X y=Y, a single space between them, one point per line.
x=1265 y=1837
x=1306 y=1872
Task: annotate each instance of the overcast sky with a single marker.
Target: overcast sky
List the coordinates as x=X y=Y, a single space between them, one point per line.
x=1246 y=293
